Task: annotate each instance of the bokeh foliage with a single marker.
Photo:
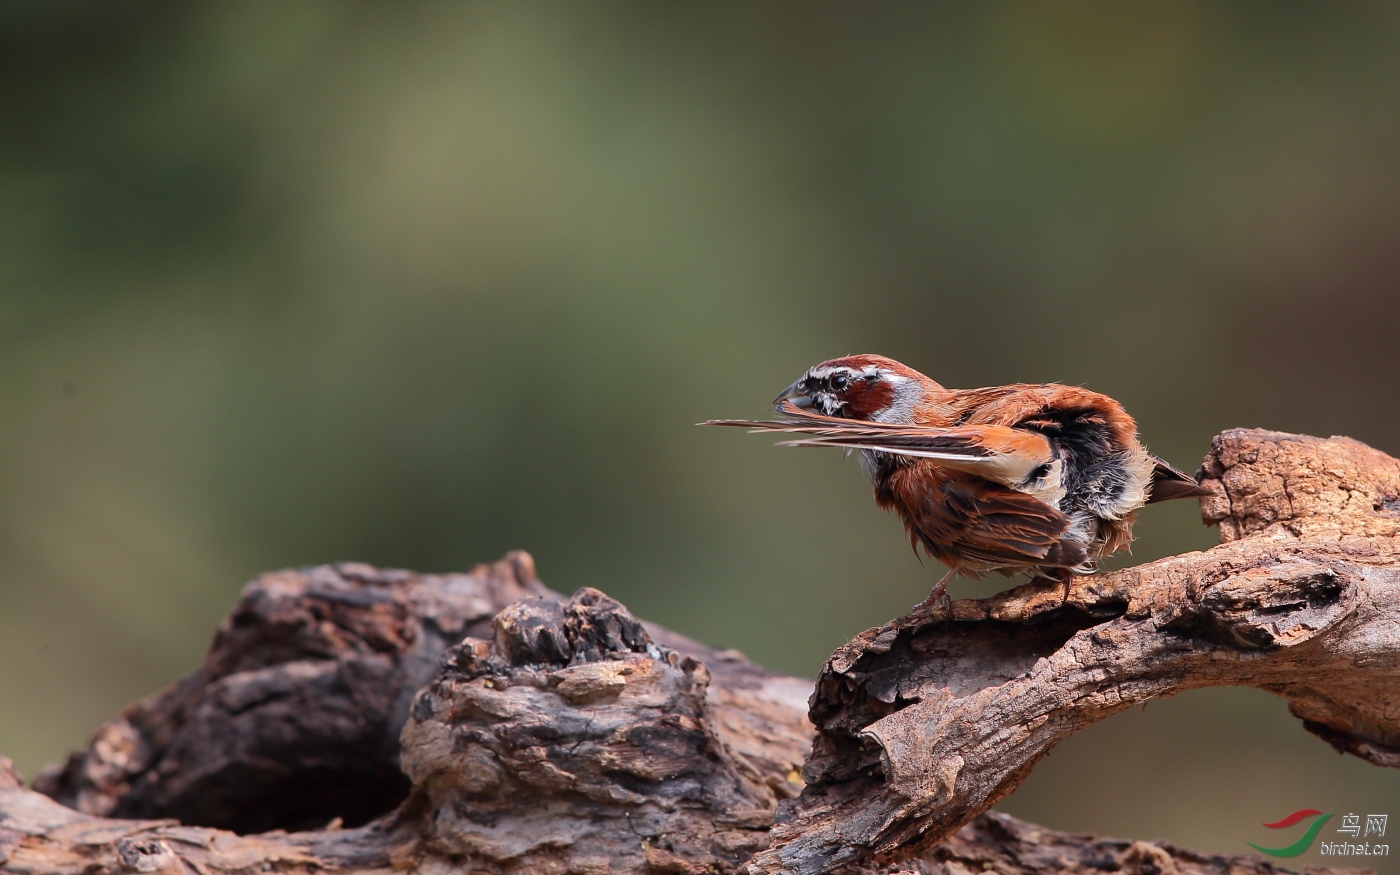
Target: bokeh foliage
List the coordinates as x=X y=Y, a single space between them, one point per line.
x=417 y=283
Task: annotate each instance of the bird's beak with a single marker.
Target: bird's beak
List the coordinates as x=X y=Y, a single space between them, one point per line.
x=792 y=393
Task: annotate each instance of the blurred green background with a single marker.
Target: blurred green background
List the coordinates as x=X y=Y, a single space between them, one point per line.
x=417 y=283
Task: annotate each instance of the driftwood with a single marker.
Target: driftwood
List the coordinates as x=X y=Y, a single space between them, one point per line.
x=359 y=720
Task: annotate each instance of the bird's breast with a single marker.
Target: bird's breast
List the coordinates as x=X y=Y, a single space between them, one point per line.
x=879 y=466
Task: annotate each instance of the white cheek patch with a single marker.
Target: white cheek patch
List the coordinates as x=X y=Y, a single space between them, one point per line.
x=906 y=395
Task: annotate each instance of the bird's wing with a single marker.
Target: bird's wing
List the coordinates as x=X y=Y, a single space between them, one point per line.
x=1169 y=483
x=979 y=523
x=999 y=453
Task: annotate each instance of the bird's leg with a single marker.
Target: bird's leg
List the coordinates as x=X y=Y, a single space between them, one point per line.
x=940 y=594
x=1063 y=576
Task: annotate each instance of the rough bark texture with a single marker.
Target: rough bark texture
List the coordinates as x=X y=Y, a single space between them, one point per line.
x=481 y=723
x=573 y=739
x=923 y=723
x=294 y=717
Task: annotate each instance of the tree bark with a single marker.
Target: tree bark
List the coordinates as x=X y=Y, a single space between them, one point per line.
x=354 y=719
x=922 y=724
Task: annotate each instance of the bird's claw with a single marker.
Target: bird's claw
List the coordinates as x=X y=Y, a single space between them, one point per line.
x=938 y=596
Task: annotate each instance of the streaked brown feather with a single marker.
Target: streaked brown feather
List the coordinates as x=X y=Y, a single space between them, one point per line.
x=978 y=526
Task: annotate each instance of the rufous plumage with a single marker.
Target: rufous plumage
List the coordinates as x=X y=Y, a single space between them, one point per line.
x=1038 y=478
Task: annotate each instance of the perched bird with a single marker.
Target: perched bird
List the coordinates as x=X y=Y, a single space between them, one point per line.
x=1038 y=478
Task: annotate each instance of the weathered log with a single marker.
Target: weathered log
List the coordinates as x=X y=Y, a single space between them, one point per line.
x=480 y=723
x=572 y=729
x=293 y=722
x=294 y=717
x=37 y=835
x=925 y=722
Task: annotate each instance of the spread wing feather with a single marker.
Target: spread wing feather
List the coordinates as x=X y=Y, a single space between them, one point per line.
x=999 y=453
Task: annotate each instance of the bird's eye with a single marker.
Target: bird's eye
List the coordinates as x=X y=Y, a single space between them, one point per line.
x=838 y=381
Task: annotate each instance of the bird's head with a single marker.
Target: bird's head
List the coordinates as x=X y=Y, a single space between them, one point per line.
x=869 y=387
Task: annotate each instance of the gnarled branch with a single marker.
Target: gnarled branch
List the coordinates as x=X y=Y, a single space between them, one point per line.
x=481 y=723
x=923 y=723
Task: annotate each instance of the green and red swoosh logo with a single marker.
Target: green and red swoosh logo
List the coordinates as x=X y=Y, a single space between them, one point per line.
x=1304 y=842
